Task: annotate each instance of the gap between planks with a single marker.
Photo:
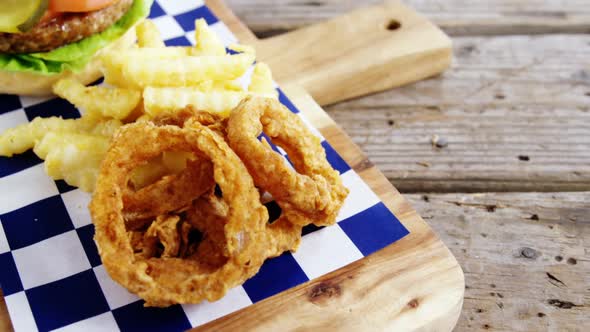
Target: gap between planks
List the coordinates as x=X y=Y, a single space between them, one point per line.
x=525 y=256
x=506 y=290
x=514 y=110
x=456 y=17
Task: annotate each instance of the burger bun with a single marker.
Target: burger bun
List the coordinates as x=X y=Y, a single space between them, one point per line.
x=27 y=83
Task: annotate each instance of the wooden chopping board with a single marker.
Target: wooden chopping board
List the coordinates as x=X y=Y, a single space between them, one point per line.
x=413 y=284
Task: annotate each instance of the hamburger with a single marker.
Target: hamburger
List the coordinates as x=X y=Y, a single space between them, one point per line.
x=42 y=41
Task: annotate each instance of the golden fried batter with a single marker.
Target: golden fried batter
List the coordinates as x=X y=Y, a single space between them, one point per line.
x=314 y=192
x=184 y=240
x=170 y=193
x=165 y=281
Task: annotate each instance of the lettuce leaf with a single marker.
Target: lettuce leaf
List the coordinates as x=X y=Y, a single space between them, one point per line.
x=76 y=55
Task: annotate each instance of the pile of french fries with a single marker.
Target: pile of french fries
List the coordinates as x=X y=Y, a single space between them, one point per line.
x=140 y=83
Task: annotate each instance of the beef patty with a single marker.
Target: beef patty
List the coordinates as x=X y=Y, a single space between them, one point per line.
x=64 y=29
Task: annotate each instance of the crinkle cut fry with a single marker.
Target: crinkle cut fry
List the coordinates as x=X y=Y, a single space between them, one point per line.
x=314 y=192
x=165 y=281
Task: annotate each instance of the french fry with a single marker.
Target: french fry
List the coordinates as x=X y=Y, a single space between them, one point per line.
x=242 y=48
x=113 y=62
x=112 y=70
x=115 y=103
x=167 y=78
x=207 y=41
x=261 y=82
x=148 y=35
x=23 y=137
x=158 y=100
x=227 y=85
x=186 y=71
x=105 y=128
x=74 y=158
x=150 y=53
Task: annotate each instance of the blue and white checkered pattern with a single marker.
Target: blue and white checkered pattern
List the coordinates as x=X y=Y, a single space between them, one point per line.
x=51 y=273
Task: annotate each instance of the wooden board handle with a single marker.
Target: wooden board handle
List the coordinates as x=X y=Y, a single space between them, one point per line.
x=362 y=52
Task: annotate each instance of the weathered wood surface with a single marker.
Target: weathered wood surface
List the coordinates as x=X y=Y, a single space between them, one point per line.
x=505 y=97
x=457 y=17
x=506 y=290
x=418 y=271
x=338 y=50
x=534 y=95
x=510 y=287
x=504 y=100
x=526 y=257
x=5 y=324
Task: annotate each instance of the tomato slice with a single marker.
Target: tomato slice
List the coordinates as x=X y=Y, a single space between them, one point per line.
x=78 y=6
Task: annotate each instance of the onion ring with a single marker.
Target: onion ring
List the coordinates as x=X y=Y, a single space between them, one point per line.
x=314 y=192
x=189 y=114
x=170 y=193
x=208 y=215
x=175 y=191
x=164 y=231
x=165 y=281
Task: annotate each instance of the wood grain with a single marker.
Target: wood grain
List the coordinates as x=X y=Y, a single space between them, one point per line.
x=506 y=290
x=526 y=257
x=413 y=284
x=5 y=323
x=233 y=23
x=361 y=52
x=456 y=17
x=503 y=100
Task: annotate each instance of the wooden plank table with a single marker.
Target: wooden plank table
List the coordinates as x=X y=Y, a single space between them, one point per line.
x=413 y=284
x=515 y=110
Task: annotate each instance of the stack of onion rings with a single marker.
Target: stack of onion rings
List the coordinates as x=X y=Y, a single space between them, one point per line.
x=204 y=230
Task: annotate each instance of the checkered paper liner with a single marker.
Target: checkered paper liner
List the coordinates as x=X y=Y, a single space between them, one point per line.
x=51 y=274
